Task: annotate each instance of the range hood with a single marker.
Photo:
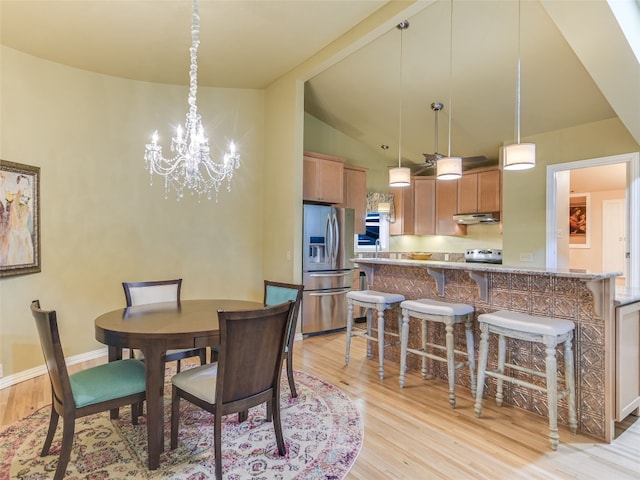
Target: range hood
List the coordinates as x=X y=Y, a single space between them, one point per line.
x=476 y=218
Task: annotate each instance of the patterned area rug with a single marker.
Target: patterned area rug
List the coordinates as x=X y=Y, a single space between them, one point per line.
x=322 y=428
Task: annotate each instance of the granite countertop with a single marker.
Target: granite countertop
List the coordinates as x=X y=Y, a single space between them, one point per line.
x=488 y=267
x=626 y=295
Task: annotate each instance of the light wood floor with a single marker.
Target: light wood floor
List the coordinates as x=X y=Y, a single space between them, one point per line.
x=412 y=433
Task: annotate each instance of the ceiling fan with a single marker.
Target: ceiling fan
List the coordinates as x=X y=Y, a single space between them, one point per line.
x=432 y=158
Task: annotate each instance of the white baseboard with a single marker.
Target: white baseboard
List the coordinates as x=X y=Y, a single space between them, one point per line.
x=42 y=369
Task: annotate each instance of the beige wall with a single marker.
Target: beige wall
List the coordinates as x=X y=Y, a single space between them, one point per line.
x=103 y=224
x=322 y=138
x=101 y=221
x=524 y=192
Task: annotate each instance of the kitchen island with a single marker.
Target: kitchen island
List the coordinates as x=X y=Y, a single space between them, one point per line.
x=586 y=298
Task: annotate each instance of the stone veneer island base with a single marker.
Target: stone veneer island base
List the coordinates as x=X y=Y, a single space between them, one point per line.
x=583 y=297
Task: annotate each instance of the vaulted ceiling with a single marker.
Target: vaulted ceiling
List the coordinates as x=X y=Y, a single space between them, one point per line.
x=577 y=65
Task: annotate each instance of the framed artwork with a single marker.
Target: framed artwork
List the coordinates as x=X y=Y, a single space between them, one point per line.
x=19 y=219
x=579 y=221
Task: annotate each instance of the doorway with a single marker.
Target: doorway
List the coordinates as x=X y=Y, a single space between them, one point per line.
x=559 y=250
x=613 y=238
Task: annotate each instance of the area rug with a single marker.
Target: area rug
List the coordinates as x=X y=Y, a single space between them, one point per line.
x=322 y=428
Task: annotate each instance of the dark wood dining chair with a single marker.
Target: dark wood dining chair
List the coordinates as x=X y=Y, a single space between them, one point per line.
x=278 y=292
x=157 y=291
x=93 y=390
x=275 y=293
x=247 y=373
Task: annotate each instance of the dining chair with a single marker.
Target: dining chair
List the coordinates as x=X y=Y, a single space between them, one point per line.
x=246 y=374
x=275 y=293
x=93 y=390
x=143 y=293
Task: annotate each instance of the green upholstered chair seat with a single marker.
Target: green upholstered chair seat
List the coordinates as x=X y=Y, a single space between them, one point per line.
x=106 y=382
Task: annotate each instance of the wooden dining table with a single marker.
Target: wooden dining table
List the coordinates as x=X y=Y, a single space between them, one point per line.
x=155 y=328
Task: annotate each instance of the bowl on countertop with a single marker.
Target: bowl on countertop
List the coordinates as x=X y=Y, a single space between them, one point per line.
x=420 y=256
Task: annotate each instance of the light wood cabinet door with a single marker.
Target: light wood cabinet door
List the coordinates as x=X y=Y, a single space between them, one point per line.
x=489 y=191
x=355 y=195
x=446 y=208
x=403 y=201
x=479 y=192
x=468 y=194
x=424 y=206
x=322 y=178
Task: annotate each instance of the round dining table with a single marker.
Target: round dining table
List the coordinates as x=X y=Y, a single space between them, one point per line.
x=155 y=328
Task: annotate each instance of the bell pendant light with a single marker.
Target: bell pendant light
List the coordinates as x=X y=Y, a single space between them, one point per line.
x=449 y=168
x=518 y=156
x=400 y=176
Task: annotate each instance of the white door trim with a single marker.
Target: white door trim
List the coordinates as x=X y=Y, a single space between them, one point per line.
x=632 y=201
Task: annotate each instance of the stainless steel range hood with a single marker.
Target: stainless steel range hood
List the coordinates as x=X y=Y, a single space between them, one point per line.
x=476 y=218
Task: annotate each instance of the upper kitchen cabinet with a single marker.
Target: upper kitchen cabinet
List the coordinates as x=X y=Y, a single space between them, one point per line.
x=355 y=194
x=403 y=204
x=446 y=206
x=479 y=192
x=425 y=205
x=322 y=178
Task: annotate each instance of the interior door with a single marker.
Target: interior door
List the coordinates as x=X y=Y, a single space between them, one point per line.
x=613 y=236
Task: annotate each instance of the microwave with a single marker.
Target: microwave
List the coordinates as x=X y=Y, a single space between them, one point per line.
x=376 y=231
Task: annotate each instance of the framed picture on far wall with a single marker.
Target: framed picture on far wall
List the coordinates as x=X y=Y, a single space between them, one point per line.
x=19 y=219
x=579 y=221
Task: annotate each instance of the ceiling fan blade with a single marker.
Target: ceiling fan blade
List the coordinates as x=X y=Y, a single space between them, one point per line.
x=476 y=159
x=422 y=168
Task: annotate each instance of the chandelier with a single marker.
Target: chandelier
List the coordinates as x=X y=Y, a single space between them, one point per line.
x=191 y=169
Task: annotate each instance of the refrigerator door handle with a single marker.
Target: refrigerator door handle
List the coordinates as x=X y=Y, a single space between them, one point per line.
x=329 y=293
x=328 y=236
x=332 y=274
x=336 y=237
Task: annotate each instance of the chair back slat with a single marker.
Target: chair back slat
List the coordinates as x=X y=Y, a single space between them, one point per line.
x=143 y=293
x=251 y=351
x=47 y=325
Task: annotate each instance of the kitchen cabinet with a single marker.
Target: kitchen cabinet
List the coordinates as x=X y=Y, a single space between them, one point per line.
x=446 y=207
x=403 y=203
x=322 y=178
x=627 y=360
x=424 y=205
x=355 y=195
x=479 y=192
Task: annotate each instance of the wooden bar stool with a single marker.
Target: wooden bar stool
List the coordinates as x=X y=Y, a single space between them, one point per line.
x=449 y=314
x=370 y=299
x=548 y=331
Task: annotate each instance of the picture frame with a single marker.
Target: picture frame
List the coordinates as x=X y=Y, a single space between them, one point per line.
x=19 y=219
x=579 y=220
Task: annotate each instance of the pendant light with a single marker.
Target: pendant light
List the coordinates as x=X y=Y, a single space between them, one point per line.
x=518 y=156
x=400 y=176
x=449 y=168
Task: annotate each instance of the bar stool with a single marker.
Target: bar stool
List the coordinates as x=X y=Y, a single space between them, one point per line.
x=548 y=331
x=449 y=314
x=380 y=301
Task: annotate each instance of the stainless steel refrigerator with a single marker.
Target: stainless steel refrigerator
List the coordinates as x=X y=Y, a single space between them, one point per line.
x=327 y=270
